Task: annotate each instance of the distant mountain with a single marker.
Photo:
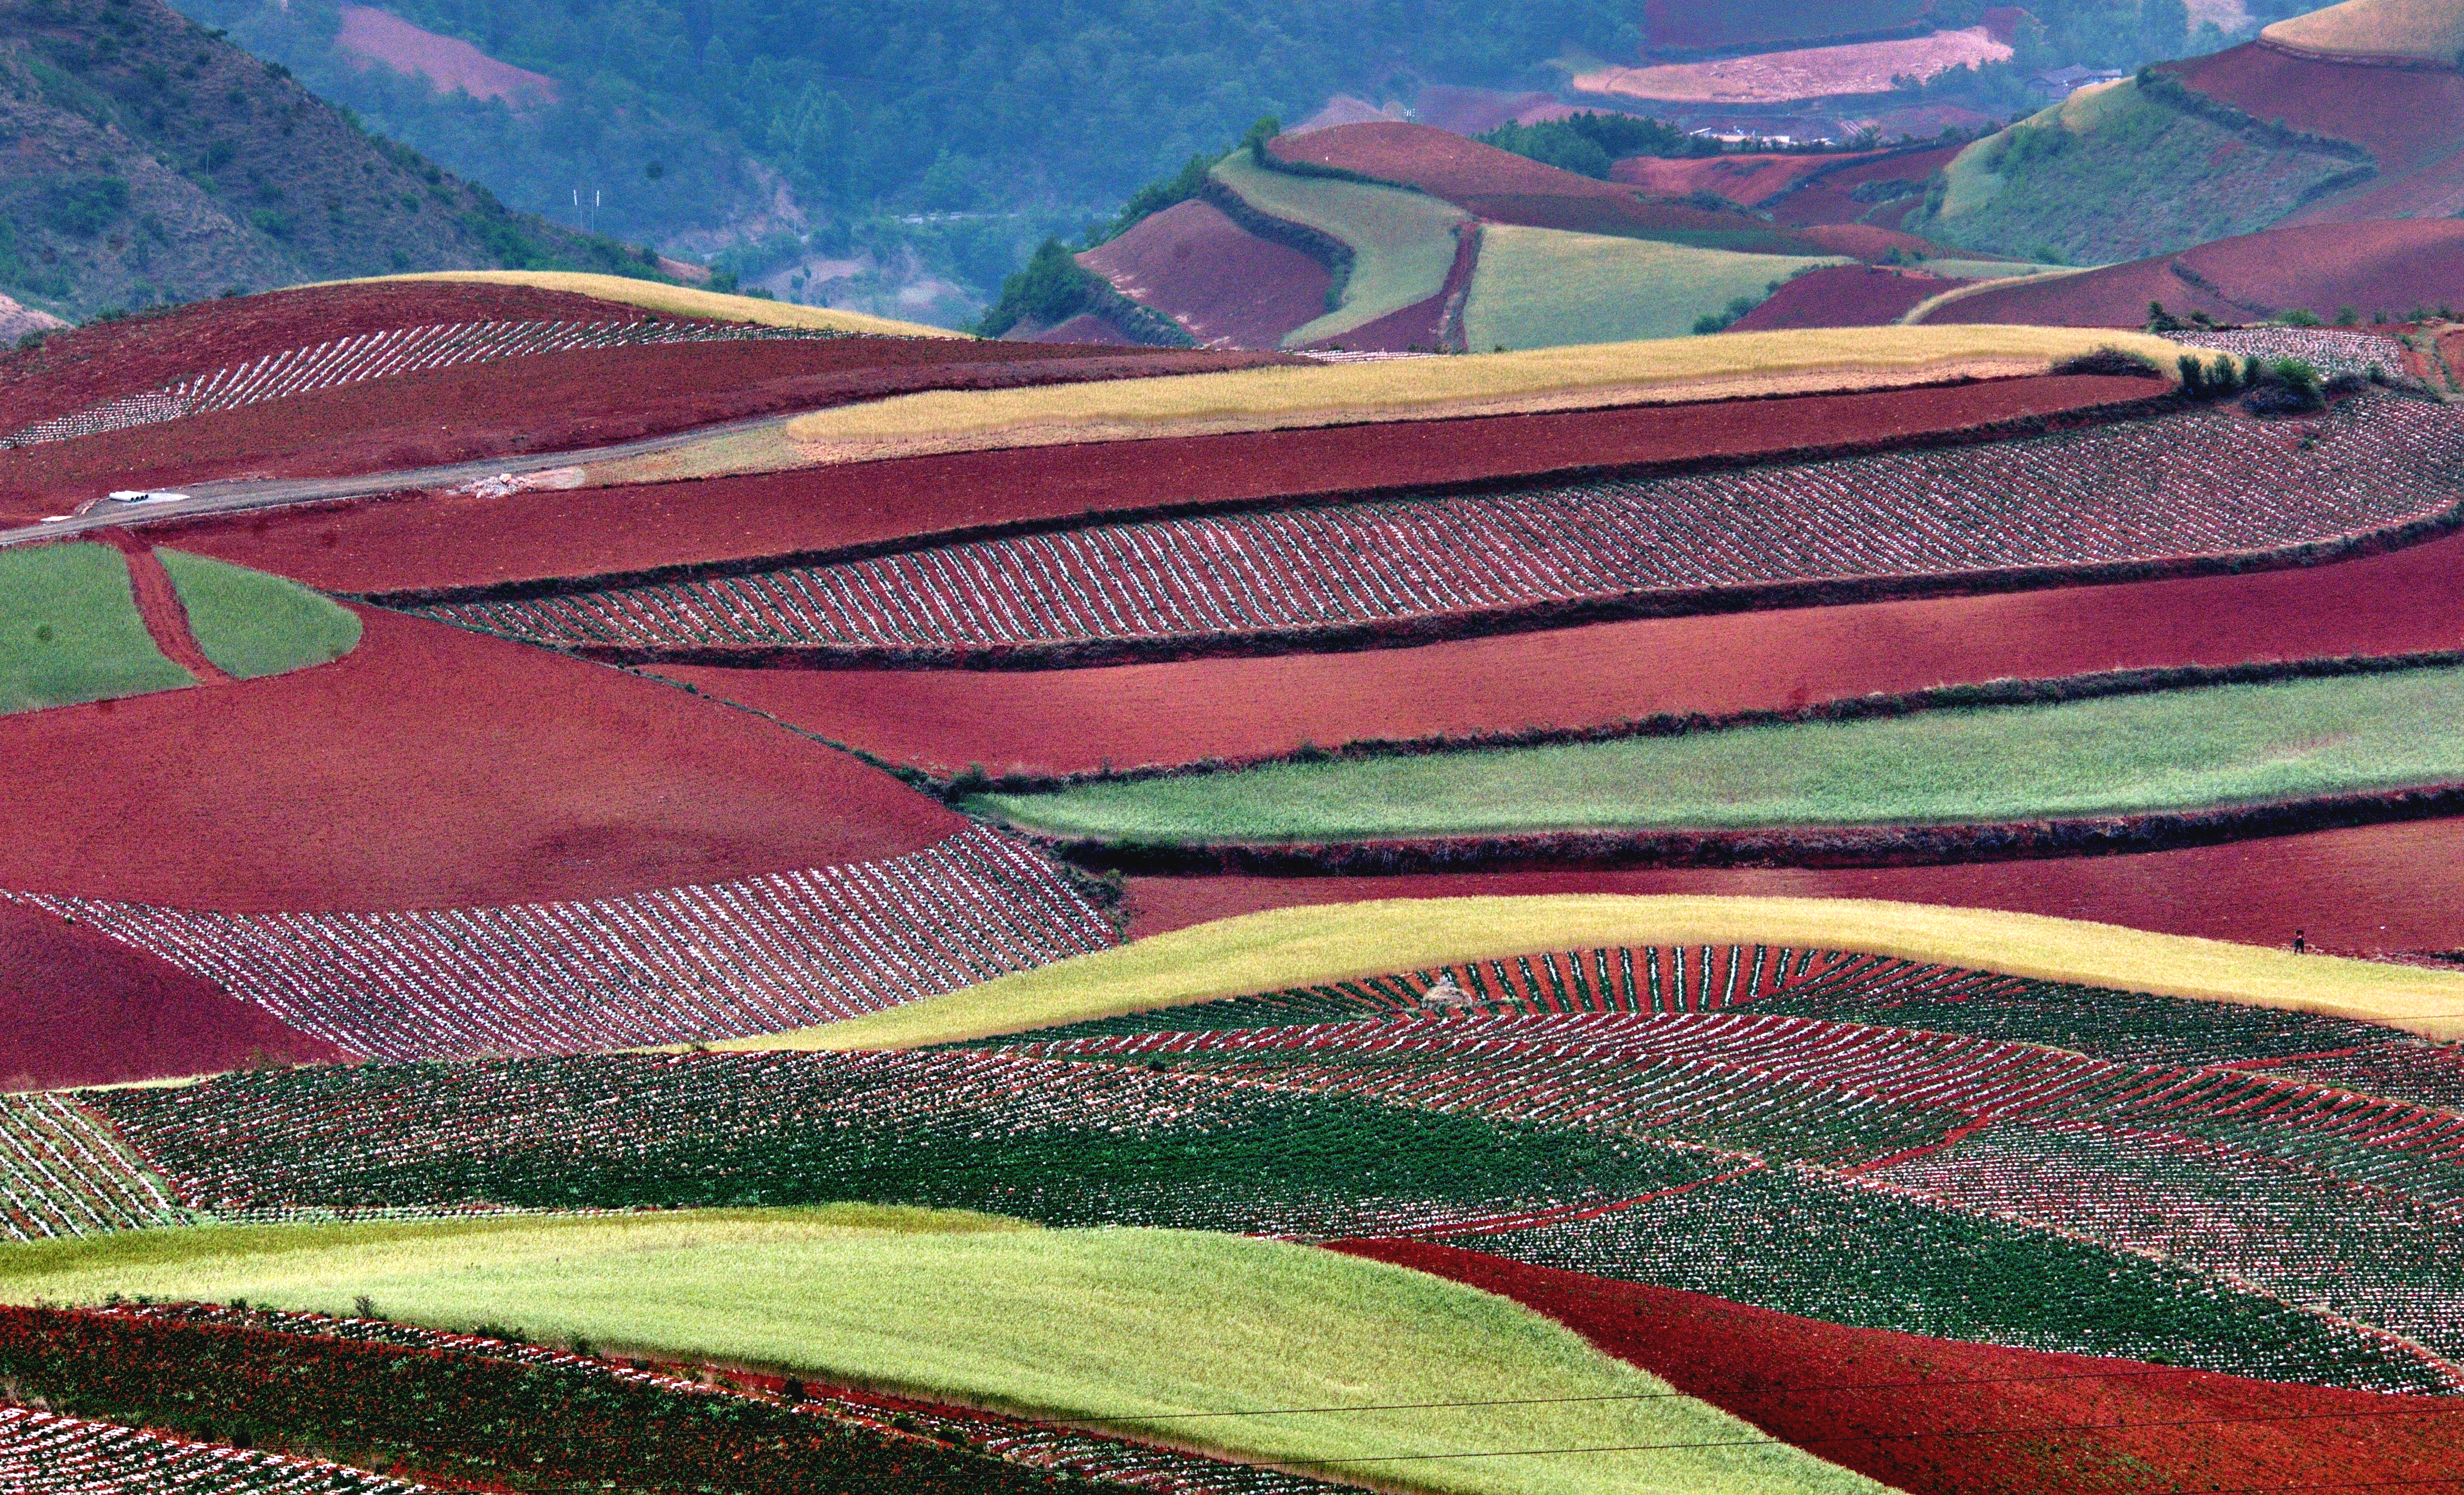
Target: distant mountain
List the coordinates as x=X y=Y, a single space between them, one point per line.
x=145 y=159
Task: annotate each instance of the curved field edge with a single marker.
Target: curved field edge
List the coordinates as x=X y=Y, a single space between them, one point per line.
x=1127 y=1329
x=1309 y=946
x=252 y=623
x=1673 y=370
x=675 y=301
x=2158 y=752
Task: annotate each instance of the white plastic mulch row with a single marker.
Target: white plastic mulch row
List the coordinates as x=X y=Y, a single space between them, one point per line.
x=717 y=960
x=45 y=1455
x=381 y=355
x=2335 y=352
x=65 y=1172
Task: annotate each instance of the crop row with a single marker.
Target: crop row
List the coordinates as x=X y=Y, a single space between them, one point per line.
x=2336 y=354
x=1807 y=1240
x=762 y=954
x=45 y=1455
x=1720 y=1070
x=1625 y=979
x=1038 y=1445
x=2372 y=1257
x=1062 y=1144
x=380 y=354
x=2193 y=483
x=64 y=1172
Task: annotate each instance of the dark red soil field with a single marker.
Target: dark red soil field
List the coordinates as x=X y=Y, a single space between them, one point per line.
x=1500 y=186
x=2088 y=1419
x=1681 y=26
x=77 y=1008
x=1750 y=180
x=550 y=402
x=2358 y=890
x=1830 y=196
x=2410 y=120
x=460 y=540
x=2321 y=268
x=1866 y=242
x=1133 y=715
x=1843 y=296
x=430 y=767
x=71 y=370
x=1226 y=285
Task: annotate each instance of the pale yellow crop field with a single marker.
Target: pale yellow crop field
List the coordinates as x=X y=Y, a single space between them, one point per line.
x=676 y=300
x=2424 y=31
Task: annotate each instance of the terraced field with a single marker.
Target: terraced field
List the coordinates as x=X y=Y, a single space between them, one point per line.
x=2200 y=483
x=1402 y=243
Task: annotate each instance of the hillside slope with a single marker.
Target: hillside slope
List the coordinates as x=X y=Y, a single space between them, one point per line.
x=143 y=158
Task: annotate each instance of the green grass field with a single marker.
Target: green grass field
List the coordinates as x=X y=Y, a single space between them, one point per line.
x=2121 y=754
x=1540 y=288
x=2112 y=174
x=1117 y=1326
x=70 y=632
x=1309 y=946
x=1402 y=243
x=250 y=624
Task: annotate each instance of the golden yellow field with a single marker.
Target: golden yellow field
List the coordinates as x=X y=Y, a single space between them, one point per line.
x=2425 y=30
x=1296 y=947
x=678 y=300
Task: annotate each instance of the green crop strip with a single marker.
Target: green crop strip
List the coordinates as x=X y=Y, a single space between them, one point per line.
x=70 y=631
x=250 y=624
x=2179 y=750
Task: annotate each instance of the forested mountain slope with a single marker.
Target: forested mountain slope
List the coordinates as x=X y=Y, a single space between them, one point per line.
x=143 y=158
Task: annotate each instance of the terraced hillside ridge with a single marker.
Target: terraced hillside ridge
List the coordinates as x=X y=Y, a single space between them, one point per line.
x=1542 y=287
x=1499 y=186
x=2365 y=270
x=435 y=371
x=174 y=166
x=2131 y=169
x=1129 y=1330
x=1786 y=1126
x=454 y=1407
x=2215 y=485
x=1403 y=246
x=410 y=549
x=704 y=962
x=2210 y=762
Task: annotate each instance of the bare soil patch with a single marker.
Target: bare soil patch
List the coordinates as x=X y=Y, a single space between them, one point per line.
x=449 y=63
x=1809 y=72
x=1843 y=296
x=1227 y=286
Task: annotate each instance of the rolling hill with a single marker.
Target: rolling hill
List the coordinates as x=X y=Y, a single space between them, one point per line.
x=148 y=160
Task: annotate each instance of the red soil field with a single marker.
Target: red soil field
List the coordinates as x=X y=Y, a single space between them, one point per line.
x=1843 y=296
x=78 y=1008
x=71 y=370
x=1134 y=715
x=1499 y=186
x=430 y=767
x=2410 y=120
x=2169 y=1429
x=1227 y=286
x=1864 y=241
x=2370 y=267
x=1749 y=179
x=449 y=63
x=2359 y=890
x=1748 y=25
x=1477 y=111
x=440 y=540
x=1829 y=196
x=548 y=402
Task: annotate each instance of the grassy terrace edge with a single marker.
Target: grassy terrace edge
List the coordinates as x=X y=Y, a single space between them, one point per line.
x=1127 y=1329
x=1303 y=946
x=675 y=301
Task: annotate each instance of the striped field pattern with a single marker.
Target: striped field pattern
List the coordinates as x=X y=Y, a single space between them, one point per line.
x=381 y=355
x=65 y=1172
x=758 y=954
x=2194 y=483
x=45 y=1455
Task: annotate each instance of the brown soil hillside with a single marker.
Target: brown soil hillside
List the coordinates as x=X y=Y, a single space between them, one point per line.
x=143 y=158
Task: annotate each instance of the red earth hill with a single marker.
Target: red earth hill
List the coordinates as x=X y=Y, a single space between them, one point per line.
x=2373 y=268
x=2411 y=118
x=1227 y=286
